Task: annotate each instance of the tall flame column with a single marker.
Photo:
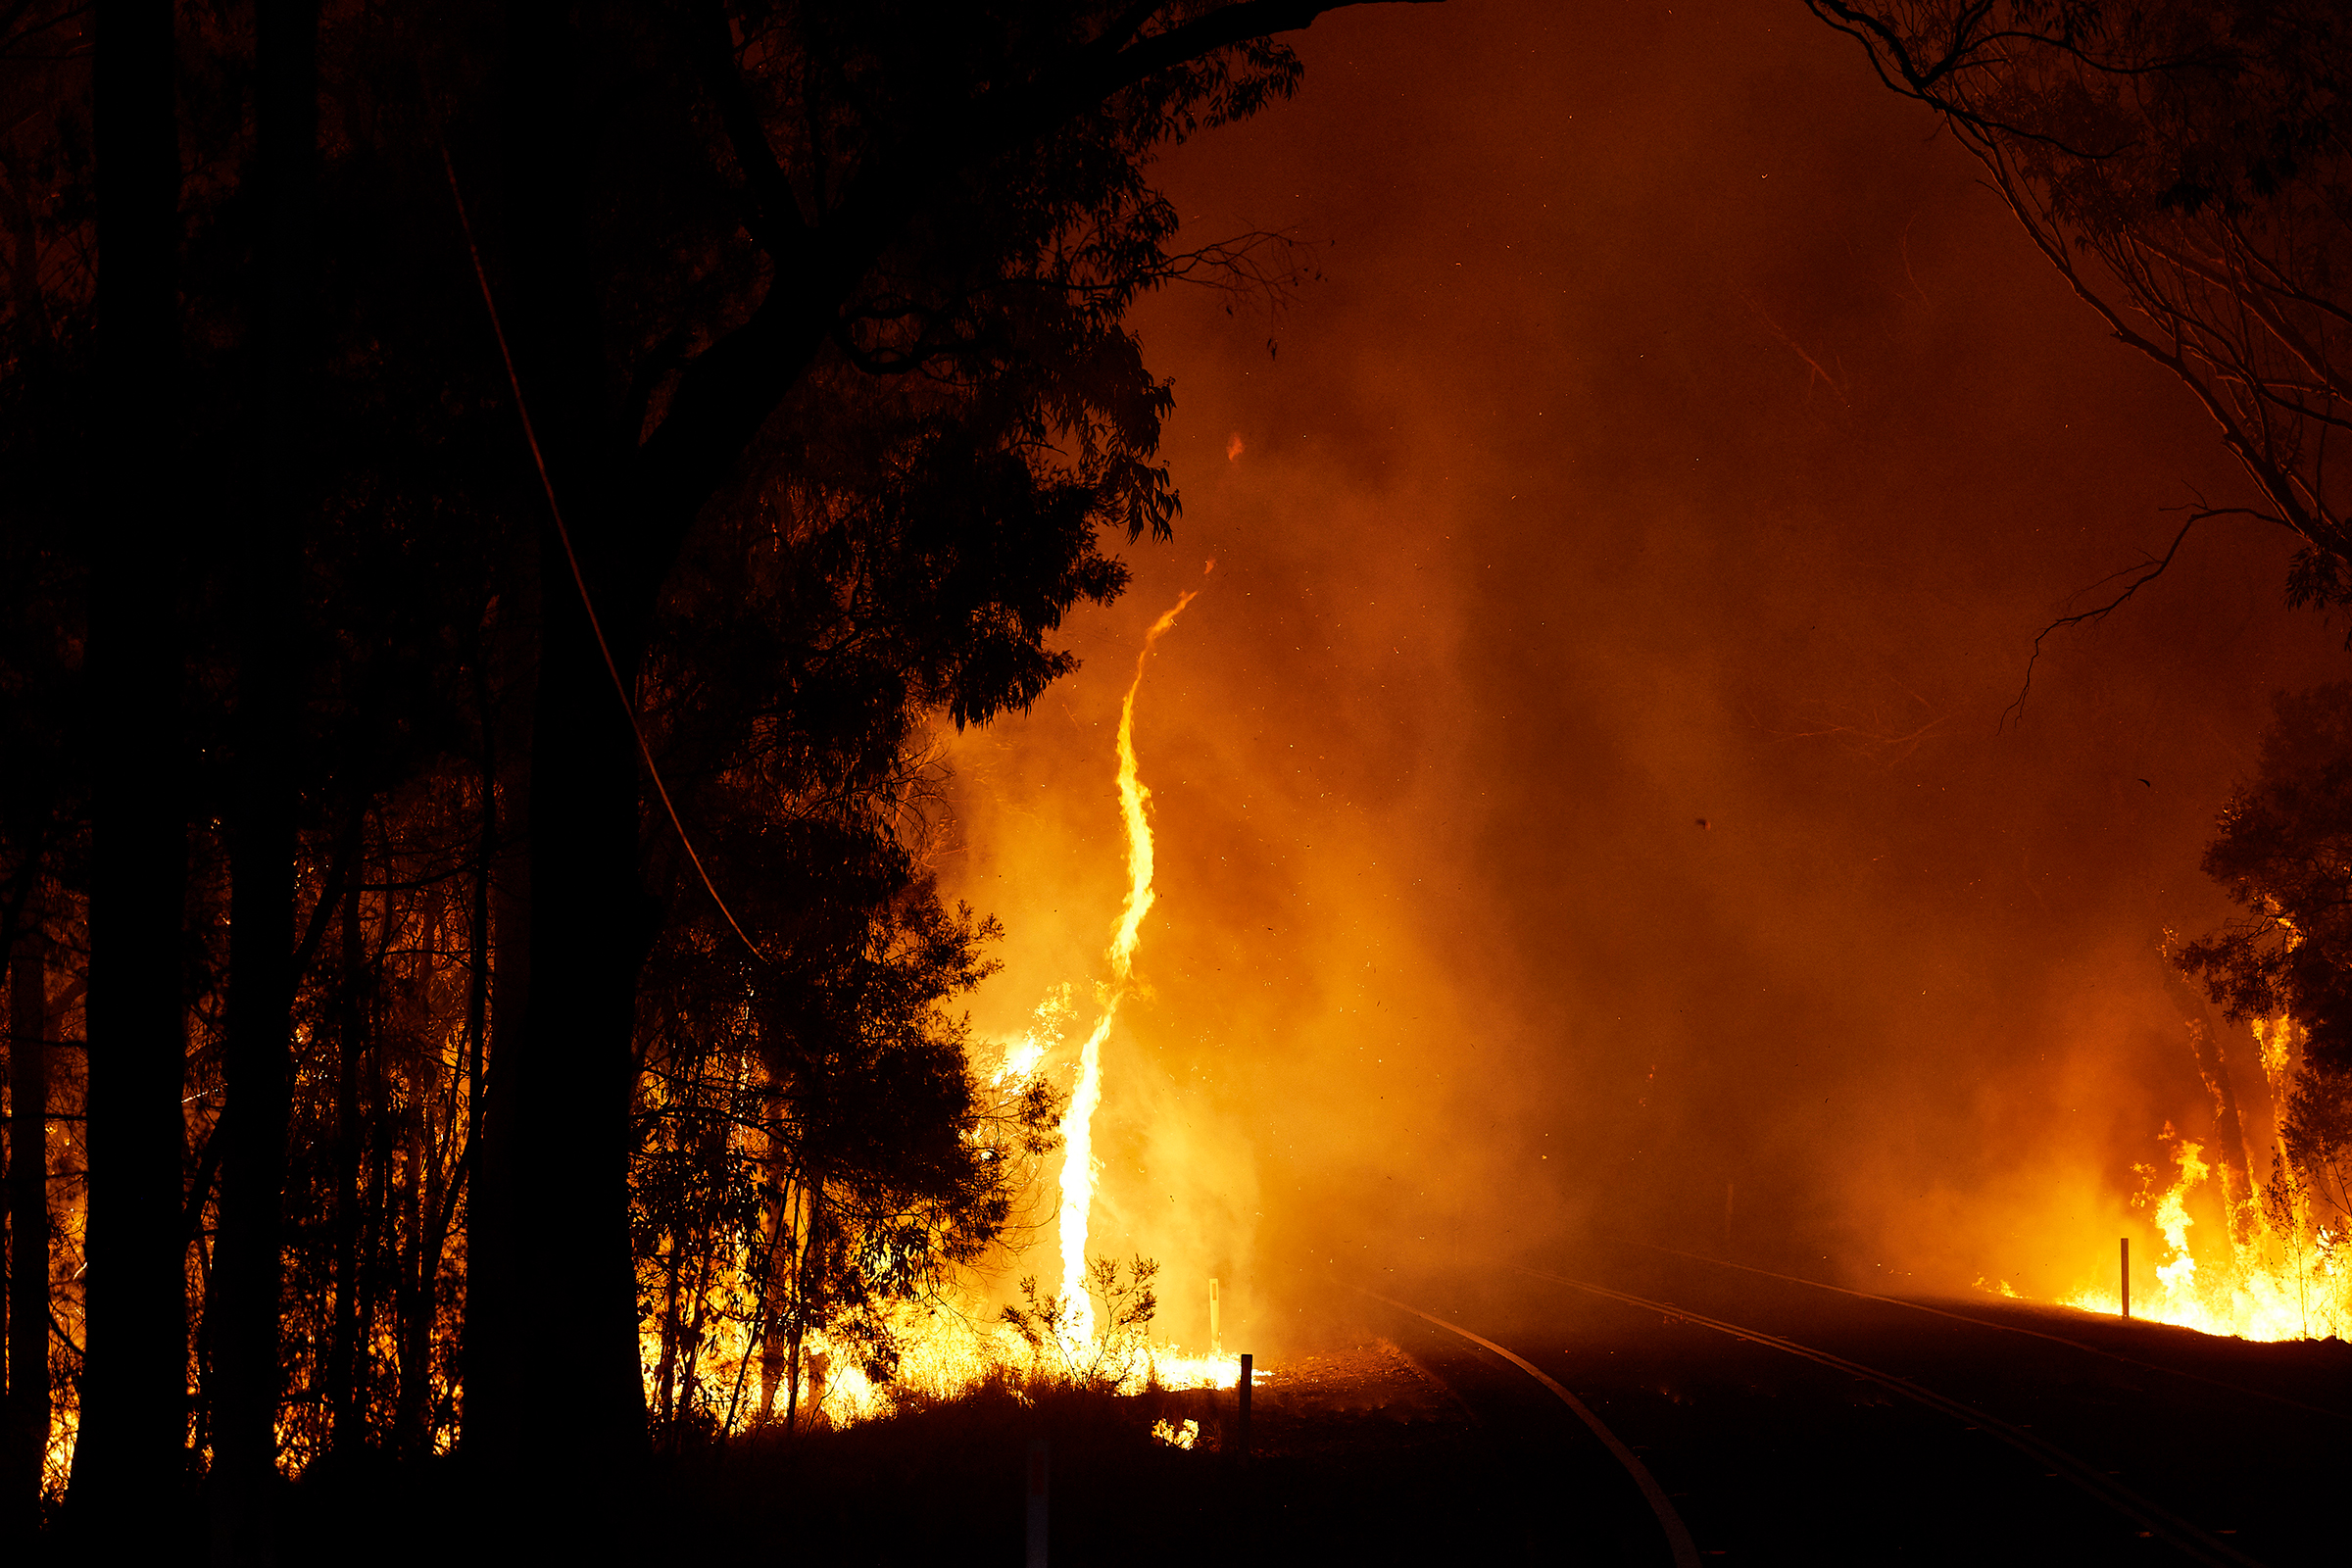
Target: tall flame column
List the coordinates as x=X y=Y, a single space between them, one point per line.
x=1079 y=1167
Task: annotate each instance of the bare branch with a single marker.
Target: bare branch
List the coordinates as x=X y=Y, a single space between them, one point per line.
x=2150 y=569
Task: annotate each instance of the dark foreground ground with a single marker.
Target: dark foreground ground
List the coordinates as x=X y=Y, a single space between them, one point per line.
x=1769 y=1458
x=1358 y=1455
x=1405 y=1445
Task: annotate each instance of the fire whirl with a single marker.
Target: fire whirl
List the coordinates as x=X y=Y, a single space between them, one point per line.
x=1079 y=1167
x=1075 y=1324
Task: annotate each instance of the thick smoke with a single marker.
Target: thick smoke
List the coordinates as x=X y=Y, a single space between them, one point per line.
x=1585 y=782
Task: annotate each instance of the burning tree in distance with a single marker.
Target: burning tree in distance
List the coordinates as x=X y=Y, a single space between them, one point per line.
x=2285 y=854
x=2183 y=167
x=2281 y=1152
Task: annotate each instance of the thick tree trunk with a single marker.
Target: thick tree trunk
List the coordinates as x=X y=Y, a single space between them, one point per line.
x=27 y=1430
x=505 y=836
x=128 y=1466
x=34 y=338
x=550 y=1220
x=553 y=1222
x=243 y=1306
x=379 y=1259
x=555 y=1396
x=478 y=945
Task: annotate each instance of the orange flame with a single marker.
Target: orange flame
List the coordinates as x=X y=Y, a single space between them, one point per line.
x=2279 y=1269
x=1079 y=1167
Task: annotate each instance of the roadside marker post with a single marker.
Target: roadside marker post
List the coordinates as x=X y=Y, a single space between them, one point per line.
x=2127 y=1293
x=1240 y=1425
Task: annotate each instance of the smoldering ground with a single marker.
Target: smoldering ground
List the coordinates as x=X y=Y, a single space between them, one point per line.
x=1584 y=782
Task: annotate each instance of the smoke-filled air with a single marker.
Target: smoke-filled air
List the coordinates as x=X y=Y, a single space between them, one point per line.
x=1599 y=786
x=1175 y=781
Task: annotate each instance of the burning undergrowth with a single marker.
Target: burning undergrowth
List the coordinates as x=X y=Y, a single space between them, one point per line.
x=2271 y=1262
x=2254 y=1218
x=811 y=1220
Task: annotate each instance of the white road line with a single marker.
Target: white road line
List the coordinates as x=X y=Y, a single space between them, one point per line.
x=2176 y=1532
x=2007 y=1328
x=1678 y=1537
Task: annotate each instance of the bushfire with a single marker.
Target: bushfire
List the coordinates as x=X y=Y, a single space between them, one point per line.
x=952 y=1344
x=2277 y=1270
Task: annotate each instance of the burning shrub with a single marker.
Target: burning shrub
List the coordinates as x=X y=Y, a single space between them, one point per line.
x=1121 y=1341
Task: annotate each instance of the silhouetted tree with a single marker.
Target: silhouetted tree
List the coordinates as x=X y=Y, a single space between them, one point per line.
x=389 y=1025
x=892 y=184
x=27 y=1434
x=42 y=73
x=2182 y=165
x=128 y=1470
x=242 y=1303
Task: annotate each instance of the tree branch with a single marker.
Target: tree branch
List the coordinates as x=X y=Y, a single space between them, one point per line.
x=727 y=392
x=774 y=217
x=2147 y=574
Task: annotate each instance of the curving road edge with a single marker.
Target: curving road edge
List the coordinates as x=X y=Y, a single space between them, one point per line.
x=2178 y=1533
x=1678 y=1536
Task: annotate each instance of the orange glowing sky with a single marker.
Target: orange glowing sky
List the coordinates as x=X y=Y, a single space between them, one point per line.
x=1676 y=432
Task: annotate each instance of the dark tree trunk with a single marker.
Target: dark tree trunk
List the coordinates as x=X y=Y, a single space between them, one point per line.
x=811 y=1195
x=506 y=779
x=379 y=1256
x=343 y=1334
x=552 y=1220
x=665 y=1374
x=34 y=338
x=247 y=1270
x=128 y=1466
x=477 y=942
x=27 y=1430
x=413 y=1316
x=552 y=1214
x=556 y=1389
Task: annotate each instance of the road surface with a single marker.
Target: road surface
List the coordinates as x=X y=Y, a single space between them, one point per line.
x=1785 y=1423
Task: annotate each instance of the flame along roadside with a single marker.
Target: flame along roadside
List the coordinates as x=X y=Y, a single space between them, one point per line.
x=2004 y=1328
x=2279 y=1268
x=1677 y=1535
x=2178 y=1533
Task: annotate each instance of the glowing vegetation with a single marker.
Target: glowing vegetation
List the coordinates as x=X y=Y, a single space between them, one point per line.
x=2276 y=1267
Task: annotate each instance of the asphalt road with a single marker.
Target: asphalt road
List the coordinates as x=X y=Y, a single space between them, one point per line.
x=1924 y=1438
